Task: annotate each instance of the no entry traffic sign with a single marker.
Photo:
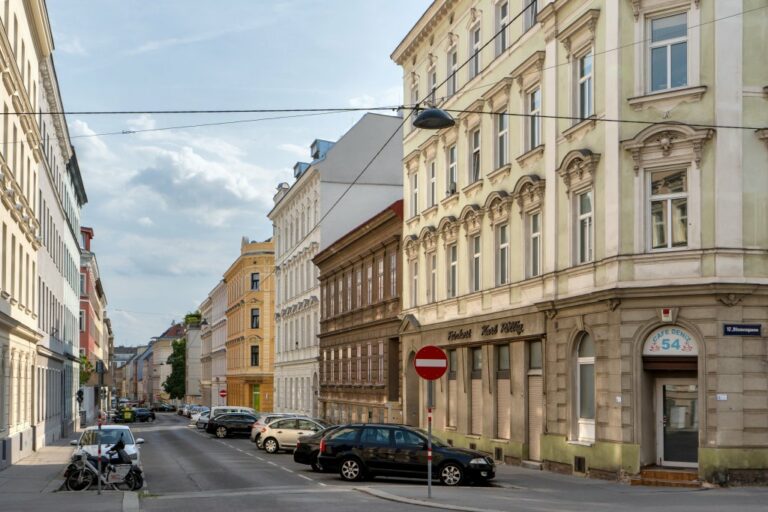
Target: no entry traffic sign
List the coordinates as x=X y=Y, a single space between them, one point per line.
x=430 y=362
x=223 y=393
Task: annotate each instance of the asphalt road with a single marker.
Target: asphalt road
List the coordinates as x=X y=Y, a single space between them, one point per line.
x=185 y=468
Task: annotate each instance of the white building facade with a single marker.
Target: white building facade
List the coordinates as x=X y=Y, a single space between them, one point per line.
x=218 y=325
x=316 y=210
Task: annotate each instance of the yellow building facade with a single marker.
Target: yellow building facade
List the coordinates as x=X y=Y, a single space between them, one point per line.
x=250 y=332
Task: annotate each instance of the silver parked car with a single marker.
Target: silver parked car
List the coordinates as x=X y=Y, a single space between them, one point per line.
x=282 y=434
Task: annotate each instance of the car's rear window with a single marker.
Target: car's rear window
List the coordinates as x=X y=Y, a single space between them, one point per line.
x=344 y=434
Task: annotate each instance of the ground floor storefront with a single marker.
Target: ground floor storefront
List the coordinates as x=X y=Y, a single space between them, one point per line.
x=297 y=386
x=607 y=384
x=251 y=391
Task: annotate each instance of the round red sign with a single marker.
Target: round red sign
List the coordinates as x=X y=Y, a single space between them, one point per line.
x=223 y=393
x=430 y=362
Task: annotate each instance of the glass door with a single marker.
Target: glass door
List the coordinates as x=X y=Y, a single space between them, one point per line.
x=678 y=422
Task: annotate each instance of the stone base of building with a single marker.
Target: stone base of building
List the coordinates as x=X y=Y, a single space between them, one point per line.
x=16 y=447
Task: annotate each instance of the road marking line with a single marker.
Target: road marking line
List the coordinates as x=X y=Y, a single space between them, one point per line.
x=306 y=478
x=286 y=469
x=321 y=483
x=261 y=459
x=270 y=462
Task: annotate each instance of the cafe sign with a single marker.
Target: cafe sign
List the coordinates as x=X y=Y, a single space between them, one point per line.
x=670 y=341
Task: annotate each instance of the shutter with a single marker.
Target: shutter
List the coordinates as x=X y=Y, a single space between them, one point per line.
x=503 y=409
x=477 y=406
x=453 y=402
x=535 y=416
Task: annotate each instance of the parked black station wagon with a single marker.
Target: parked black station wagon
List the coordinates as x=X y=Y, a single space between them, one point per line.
x=226 y=425
x=361 y=450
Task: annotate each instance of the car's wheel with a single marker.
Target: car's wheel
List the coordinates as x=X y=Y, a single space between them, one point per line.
x=221 y=432
x=351 y=470
x=79 y=480
x=316 y=466
x=271 y=445
x=451 y=474
x=151 y=418
x=138 y=481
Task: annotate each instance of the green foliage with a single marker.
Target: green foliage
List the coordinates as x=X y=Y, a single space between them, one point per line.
x=193 y=318
x=175 y=384
x=86 y=370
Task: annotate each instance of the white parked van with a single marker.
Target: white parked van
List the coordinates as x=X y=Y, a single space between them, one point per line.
x=226 y=409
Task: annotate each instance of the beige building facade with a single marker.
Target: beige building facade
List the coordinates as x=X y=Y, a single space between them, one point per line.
x=588 y=242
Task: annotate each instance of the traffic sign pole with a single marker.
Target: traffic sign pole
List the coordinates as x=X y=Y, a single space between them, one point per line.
x=431 y=363
x=430 y=405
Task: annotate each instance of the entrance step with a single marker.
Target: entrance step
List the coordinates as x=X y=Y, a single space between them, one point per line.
x=667 y=477
x=531 y=464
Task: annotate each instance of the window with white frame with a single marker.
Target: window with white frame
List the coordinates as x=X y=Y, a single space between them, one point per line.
x=432 y=292
x=585 y=384
x=475 y=43
x=359 y=362
x=432 y=75
x=502 y=139
x=474 y=164
x=340 y=377
x=669 y=208
x=414 y=194
x=370 y=362
x=349 y=365
x=475 y=261
x=585 y=88
x=333 y=365
x=369 y=285
x=533 y=111
x=502 y=18
x=349 y=291
x=453 y=64
x=381 y=362
x=534 y=244
x=453 y=257
x=529 y=18
x=393 y=274
x=451 y=174
x=502 y=254
x=358 y=287
x=414 y=93
x=341 y=295
x=668 y=52
x=414 y=284
x=431 y=192
x=380 y=279
x=585 y=229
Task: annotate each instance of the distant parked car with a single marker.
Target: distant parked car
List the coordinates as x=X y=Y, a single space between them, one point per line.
x=361 y=450
x=227 y=409
x=265 y=418
x=162 y=407
x=143 y=414
x=180 y=410
x=225 y=425
x=202 y=421
x=308 y=448
x=196 y=415
x=109 y=436
x=282 y=434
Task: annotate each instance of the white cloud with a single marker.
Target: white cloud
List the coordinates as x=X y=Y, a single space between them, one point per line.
x=70 y=45
x=159 y=44
x=146 y=221
x=387 y=98
x=295 y=149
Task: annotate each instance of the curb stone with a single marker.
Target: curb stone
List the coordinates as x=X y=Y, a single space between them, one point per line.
x=131 y=501
x=377 y=493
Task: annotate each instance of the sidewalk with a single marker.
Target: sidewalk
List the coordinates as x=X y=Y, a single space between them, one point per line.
x=30 y=484
x=521 y=489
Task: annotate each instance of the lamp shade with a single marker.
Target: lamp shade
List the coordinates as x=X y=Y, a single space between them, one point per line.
x=433 y=119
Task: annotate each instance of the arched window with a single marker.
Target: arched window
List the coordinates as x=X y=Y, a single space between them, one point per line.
x=585 y=380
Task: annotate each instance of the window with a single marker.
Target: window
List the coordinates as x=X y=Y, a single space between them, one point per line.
x=534 y=355
x=349 y=291
x=432 y=292
x=474 y=167
x=585 y=229
x=254 y=355
x=453 y=64
x=451 y=177
x=332 y=298
x=340 y=300
x=358 y=287
x=82 y=284
x=369 y=283
x=414 y=93
x=375 y=436
x=405 y=438
x=530 y=14
x=414 y=195
x=585 y=384
x=475 y=270
x=82 y=320
x=333 y=365
x=585 y=90
x=381 y=362
x=533 y=105
x=668 y=52
x=414 y=284
x=432 y=184
x=502 y=358
x=669 y=209
x=477 y=360
x=502 y=254
x=474 y=51
x=380 y=278
x=393 y=274
x=432 y=86
x=255 y=281
x=452 y=270
x=452 y=364
x=502 y=139
x=350 y=375
x=255 y=318
x=534 y=244
x=369 y=365
x=502 y=18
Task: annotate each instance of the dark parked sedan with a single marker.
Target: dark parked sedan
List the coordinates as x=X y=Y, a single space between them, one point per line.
x=308 y=448
x=225 y=425
x=144 y=414
x=163 y=407
x=361 y=450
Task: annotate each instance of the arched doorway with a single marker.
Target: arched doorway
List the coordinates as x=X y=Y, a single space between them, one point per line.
x=412 y=393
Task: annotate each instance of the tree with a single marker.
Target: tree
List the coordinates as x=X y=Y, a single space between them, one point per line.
x=175 y=384
x=86 y=370
x=193 y=318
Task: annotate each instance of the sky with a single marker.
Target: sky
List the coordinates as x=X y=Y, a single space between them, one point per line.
x=169 y=208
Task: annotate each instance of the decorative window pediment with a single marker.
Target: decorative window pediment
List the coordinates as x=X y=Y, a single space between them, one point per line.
x=411 y=247
x=639 y=6
x=428 y=148
x=528 y=73
x=448 y=229
x=428 y=238
x=577 y=169
x=498 y=95
x=579 y=34
x=665 y=143
x=498 y=205
x=471 y=218
x=471 y=120
x=529 y=193
x=411 y=161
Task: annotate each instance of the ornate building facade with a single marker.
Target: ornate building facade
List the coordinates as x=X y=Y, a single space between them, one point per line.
x=588 y=242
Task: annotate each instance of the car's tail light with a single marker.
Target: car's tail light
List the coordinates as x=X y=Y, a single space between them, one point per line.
x=322 y=446
x=298 y=444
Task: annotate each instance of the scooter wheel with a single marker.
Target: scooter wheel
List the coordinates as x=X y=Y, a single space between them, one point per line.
x=79 y=480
